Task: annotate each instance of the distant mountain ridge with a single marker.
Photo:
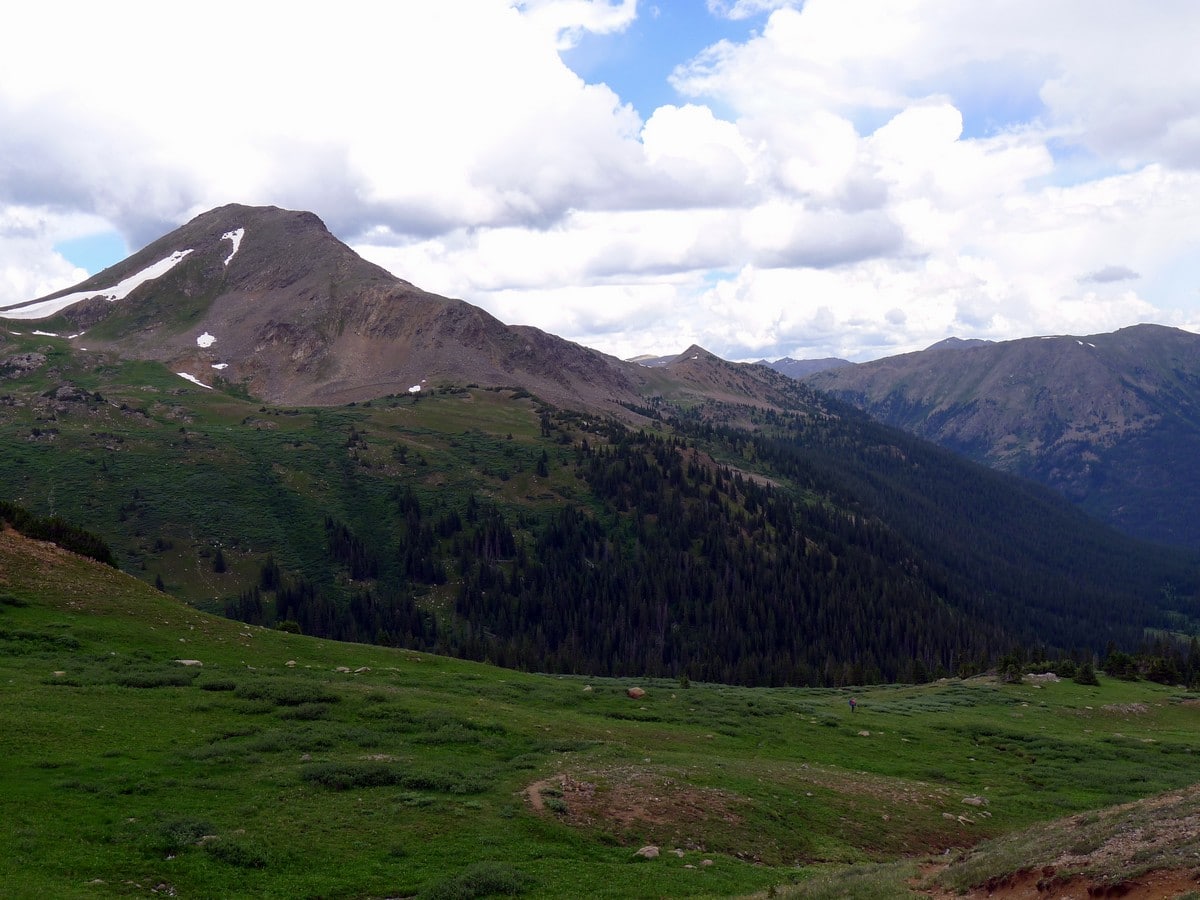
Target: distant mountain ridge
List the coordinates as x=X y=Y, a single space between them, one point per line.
x=1110 y=420
x=799 y=368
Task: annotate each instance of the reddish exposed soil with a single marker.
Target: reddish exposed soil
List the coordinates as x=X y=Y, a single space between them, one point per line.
x=1046 y=884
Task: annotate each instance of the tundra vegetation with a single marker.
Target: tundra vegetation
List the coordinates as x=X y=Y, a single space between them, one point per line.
x=151 y=747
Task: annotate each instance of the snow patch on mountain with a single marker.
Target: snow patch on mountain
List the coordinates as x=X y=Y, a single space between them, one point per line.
x=205 y=340
x=119 y=291
x=236 y=237
x=194 y=380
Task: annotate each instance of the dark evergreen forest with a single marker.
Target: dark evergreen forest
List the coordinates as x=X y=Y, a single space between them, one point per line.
x=817 y=550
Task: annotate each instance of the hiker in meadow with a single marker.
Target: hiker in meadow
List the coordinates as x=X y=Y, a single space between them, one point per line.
x=853 y=704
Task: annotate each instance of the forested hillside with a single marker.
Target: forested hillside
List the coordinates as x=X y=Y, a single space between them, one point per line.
x=816 y=548
x=883 y=559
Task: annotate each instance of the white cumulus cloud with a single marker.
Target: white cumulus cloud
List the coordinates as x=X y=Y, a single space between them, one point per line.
x=839 y=177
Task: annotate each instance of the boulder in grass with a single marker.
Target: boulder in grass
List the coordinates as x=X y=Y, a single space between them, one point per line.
x=635 y=693
x=650 y=852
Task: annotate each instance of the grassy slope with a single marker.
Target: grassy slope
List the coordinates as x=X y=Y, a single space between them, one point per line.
x=167 y=472
x=252 y=777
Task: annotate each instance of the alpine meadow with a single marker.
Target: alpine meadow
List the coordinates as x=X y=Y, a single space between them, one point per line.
x=315 y=584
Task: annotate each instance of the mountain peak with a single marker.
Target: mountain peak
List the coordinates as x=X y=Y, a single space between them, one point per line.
x=696 y=352
x=232 y=247
x=268 y=299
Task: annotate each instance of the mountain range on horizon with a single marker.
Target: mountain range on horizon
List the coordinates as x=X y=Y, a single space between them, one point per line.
x=267 y=301
x=1111 y=421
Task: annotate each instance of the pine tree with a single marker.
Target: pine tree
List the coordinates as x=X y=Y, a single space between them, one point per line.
x=1086 y=674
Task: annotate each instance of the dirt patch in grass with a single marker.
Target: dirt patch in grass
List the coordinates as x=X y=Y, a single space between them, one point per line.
x=625 y=798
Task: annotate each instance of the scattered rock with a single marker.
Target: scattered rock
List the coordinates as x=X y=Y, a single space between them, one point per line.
x=975 y=801
x=864 y=734
x=650 y=852
x=587 y=688
x=345 y=670
x=16 y=366
x=291 y=664
x=706 y=862
x=635 y=693
x=189 y=662
x=68 y=393
x=1127 y=708
x=678 y=852
x=362 y=669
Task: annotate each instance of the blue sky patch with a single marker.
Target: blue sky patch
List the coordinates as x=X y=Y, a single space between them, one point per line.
x=637 y=62
x=95 y=251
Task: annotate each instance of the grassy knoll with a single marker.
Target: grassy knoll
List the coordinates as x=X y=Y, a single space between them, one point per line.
x=293 y=767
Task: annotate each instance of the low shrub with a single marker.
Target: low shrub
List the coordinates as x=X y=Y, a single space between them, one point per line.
x=218 y=684
x=306 y=712
x=156 y=678
x=483 y=879
x=342 y=776
x=238 y=852
x=177 y=834
x=285 y=693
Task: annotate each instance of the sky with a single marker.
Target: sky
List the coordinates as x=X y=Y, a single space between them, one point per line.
x=764 y=178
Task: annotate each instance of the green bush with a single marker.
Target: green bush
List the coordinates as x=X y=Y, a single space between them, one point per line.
x=346 y=775
x=237 y=852
x=175 y=835
x=156 y=678
x=218 y=684
x=286 y=693
x=1086 y=674
x=483 y=879
x=342 y=776
x=306 y=712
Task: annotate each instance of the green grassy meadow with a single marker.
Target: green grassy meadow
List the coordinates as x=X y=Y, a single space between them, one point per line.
x=288 y=766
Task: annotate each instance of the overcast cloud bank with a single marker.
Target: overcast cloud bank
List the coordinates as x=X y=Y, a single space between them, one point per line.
x=837 y=178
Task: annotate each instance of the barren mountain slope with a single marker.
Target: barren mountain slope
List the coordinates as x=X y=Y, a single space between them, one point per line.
x=1111 y=420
